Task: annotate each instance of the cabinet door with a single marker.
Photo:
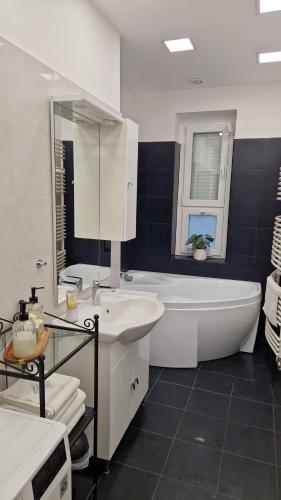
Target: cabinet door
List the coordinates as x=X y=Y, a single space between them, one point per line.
x=141 y=373
x=121 y=400
x=131 y=169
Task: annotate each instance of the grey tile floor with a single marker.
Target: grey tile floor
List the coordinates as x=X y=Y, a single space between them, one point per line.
x=211 y=433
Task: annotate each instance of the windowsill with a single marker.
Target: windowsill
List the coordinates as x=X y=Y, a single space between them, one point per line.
x=209 y=260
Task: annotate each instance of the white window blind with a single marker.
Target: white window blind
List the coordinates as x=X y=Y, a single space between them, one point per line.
x=205 y=169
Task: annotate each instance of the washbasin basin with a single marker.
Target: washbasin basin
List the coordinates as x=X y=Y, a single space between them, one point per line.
x=133 y=317
x=124 y=316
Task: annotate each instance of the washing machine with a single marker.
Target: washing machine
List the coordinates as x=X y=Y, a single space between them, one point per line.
x=35 y=459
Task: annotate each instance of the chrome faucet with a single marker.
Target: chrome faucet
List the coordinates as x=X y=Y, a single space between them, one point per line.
x=78 y=281
x=126 y=276
x=96 y=287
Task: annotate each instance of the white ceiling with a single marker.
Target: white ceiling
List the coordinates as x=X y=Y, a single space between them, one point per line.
x=226 y=34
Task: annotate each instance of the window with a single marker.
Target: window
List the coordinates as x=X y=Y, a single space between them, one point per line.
x=204 y=185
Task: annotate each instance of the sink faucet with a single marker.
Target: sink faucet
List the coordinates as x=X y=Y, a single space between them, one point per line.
x=96 y=287
x=78 y=281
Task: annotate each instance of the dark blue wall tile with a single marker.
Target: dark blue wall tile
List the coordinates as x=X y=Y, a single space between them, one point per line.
x=160 y=210
x=159 y=261
x=142 y=209
x=243 y=212
x=267 y=211
x=241 y=241
x=141 y=238
x=159 y=236
x=144 y=155
x=249 y=153
x=162 y=156
x=273 y=154
x=239 y=267
x=160 y=183
x=142 y=182
x=263 y=242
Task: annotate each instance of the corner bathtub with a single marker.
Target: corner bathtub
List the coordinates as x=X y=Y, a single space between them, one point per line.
x=204 y=319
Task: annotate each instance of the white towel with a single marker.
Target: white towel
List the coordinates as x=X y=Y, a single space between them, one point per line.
x=271 y=300
x=23 y=395
x=68 y=411
x=75 y=419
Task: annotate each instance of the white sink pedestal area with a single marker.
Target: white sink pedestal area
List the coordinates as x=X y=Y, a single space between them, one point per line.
x=124 y=349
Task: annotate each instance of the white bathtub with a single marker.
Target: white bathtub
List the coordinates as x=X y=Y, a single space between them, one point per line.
x=204 y=319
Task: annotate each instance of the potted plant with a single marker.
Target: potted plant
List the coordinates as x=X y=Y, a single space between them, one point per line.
x=200 y=244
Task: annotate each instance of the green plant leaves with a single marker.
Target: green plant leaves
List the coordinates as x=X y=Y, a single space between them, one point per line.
x=200 y=241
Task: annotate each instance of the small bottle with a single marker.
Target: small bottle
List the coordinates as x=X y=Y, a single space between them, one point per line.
x=71 y=304
x=36 y=310
x=24 y=334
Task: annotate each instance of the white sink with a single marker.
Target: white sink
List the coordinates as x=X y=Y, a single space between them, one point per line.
x=124 y=316
x=133 y=317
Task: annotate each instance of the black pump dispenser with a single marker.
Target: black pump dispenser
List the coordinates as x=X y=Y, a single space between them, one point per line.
x=23 y=315
x=33 y=299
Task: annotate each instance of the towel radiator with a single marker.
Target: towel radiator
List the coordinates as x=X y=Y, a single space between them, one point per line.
x=273 y=333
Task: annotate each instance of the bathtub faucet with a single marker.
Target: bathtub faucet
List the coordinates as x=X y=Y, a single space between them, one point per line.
x=126 y=276
x=96 y=287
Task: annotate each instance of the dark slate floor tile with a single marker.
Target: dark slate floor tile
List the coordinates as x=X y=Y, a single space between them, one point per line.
x=182 y=376
x=154 y=371
x=255 y=391
x=279 y=482
x=193 y=464
x=143 y=450
x=246 y=366
x=278 y=448
x=252 y=413
x=277 y=418
x=171 y=489
x=208 y=403
x=214 y=382
x=223 y=365
x=277 y=396
x=169 y=394
x=247 y=479
x=202 y=429
x=123 y=479
x=157 y=418
x=250 y=442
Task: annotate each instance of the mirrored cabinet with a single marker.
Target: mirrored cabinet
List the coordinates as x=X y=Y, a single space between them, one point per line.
x=94 y=180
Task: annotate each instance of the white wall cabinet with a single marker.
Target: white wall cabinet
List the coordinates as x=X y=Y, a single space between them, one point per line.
x=118 y=181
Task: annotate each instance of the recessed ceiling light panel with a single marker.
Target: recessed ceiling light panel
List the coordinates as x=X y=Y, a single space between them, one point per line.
x=269 y=57
x=179 y=45
x=269 y=6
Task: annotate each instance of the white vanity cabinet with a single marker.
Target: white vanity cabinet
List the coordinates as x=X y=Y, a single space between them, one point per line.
x=123 y=383
x=118 y=181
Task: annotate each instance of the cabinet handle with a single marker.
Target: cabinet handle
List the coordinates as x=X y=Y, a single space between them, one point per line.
x=133 y=385
x=137 y=381
x=130 y=184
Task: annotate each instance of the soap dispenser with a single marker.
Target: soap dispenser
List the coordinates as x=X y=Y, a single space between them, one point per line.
x=36 y=310
x=24 y=334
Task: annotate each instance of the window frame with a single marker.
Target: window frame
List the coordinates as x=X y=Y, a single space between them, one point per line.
x=208 y=206
x=186 y=212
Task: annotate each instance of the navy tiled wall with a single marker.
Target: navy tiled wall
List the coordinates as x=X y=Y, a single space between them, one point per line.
x=256 y=164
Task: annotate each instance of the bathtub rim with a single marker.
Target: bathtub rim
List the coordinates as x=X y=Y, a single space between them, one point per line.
x=252 y=298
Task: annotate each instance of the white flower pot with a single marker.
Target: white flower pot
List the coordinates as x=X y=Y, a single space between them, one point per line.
x=200 y=254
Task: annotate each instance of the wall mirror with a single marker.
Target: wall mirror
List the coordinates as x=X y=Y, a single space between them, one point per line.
x=79 y=256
